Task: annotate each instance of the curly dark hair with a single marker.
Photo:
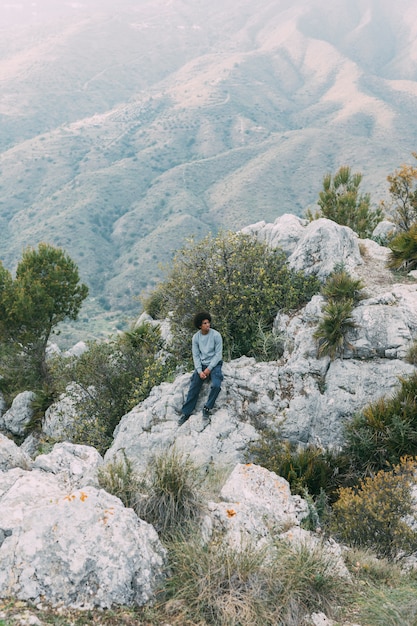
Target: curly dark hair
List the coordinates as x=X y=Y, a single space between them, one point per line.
x=200 y=317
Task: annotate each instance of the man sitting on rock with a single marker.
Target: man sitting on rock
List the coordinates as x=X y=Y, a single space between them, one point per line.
x=207 y=348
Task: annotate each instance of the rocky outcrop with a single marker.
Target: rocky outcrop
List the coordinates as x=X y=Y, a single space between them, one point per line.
x=254 y=505
x=313 y=247
x=17 y=418
x=65 y=539
x=12 y=456
x=309 y=398
x=70 y=543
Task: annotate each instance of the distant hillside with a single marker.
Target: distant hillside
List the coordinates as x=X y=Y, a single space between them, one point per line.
x=125 y=130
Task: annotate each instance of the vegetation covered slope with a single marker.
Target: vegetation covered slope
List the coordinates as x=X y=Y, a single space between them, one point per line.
x=123 y=131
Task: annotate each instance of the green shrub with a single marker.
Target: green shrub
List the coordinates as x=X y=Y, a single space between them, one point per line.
x=113 y=376
x=173 y=500
x=241 y=281
x=403 y=192
x=217 y=585
x=310 y=469
x=332 y=328
x=373 y=514
x=411 y=356
x=403 y=255
x=267 y=345
x=341 y=202
x=119 y=479
x=385 y=430
x=341 y=286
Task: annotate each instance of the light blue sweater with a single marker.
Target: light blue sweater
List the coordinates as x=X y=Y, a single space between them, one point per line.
x=207 y=349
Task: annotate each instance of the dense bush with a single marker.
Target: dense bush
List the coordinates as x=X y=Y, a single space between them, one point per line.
x=309 y=469
x=341 y=202
x=173 y=500
x=215 y=584
x=113 y=376
x=403 y=248
x=342 y=292
x=241 y=281
x=378 y=513
x=385 y=430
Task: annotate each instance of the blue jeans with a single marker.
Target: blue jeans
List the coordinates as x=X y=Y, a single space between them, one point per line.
x=196 y=383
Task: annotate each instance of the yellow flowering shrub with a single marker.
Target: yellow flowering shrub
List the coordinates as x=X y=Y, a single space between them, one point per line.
x=378 y=513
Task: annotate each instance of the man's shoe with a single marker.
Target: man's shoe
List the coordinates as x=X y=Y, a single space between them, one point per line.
x=206 y=413
x=183 y=419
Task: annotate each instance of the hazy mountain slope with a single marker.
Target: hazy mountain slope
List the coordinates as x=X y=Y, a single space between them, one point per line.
x=123 y=131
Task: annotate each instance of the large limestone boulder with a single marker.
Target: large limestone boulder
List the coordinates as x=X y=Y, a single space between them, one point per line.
x=60 y=418
x=75 y=466
x=254 y=506
x=73 y=546
x=313 y=247
x=386 y=325
x=152 y=427
x=323 y=245
x=284 y=233
x=16 y=419
x=12 y=456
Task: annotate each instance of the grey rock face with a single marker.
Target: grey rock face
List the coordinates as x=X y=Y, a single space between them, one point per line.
x=19 y=415
x=314 y=247
x=255 y=505
x=284 y=233
x=12 y=456
x=76 y=546
x=325 y=244
x=59 y=418
x=74 y=465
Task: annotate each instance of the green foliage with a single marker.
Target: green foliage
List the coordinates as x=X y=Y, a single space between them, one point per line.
x=215 y=584
x=241 y=281
x=403 y=248
x=385 y=430
x=341 y=286
x=342 y=293
x=173 y=500
x=403 y=190
x=113 y=376
x=332 y=328
x=119 y=479
x=44 y=397
x=45 y=292
x=267 y=345
x=310 y=469
x=411 y=356
x=373 y=514
x=341 y=202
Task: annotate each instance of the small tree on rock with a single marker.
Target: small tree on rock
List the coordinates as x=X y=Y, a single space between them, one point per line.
x=46 y=291
x=341 y=202
x=403 y=190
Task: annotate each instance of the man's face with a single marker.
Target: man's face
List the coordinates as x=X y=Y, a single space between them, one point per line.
x=205 y=327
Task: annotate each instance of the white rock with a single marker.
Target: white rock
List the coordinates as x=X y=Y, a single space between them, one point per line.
x=76 y=465
x=81 y=548
x=284 y=233
x=20 y=413
x=76 y=350
x=12 y=456
x=255 y=505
